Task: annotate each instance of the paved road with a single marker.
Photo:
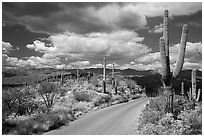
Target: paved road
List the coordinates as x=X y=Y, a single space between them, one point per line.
x=120 y=119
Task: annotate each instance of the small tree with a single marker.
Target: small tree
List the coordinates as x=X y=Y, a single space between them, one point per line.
x=48 y=91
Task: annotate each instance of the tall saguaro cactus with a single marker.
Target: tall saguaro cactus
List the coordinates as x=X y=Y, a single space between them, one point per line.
x=167 y=76
x=104 y=76
x=193 y=81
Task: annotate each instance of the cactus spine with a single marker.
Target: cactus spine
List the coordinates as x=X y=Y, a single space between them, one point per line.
x=167 y=76
x=104 y=76
x=113 y=69
x=193 y=81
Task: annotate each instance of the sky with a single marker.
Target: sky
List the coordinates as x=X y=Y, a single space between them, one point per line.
x=81 y=34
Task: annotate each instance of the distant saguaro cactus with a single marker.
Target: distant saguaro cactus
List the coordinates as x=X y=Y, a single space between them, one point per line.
x=113 y=69
x=78 y=75
x=190 y=94
x=167 y=76
x=104 y=76
x=88 y=77
x=182 y=89
x=193 y=81
x=116 y=86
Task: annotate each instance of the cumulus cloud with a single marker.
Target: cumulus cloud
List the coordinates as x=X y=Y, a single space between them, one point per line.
x=95 y=46
x=91 y=17
x=40 y=47
x=6 y=47
x=80 y=64
x=193 y=52
x=33 y=61
x=96 y=65
x=63 y=66
x=157 y=29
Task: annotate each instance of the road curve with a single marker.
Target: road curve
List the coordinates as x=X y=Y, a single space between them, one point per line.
x=120 y=119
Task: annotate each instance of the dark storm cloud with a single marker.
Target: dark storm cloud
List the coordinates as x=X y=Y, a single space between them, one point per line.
x=31 y=8
x=74 y=17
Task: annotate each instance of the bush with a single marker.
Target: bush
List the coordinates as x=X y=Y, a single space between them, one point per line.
x=82 y=96
x=186 y=120
x=18 y=101
x=41 y=123
x=103 y=98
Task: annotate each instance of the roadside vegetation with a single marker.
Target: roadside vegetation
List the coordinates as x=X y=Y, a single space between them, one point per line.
x=38 y=108
x=186 y=118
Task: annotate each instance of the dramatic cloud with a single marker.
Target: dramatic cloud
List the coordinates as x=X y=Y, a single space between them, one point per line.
x=6 y=47
x=90 y=17
x=95 y=46
x=156 y=8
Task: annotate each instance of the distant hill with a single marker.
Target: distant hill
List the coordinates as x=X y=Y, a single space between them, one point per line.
x=12 y=73
x=153 y=82
x=148 y=79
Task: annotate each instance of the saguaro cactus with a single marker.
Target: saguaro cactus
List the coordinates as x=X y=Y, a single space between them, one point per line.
x=167 y=76
x=190 y=94
x=104 y=76
x=116 y=86
x=182 y=89
x=113 y=69
x=88 y=77
x=78 y=75
x=193 y=81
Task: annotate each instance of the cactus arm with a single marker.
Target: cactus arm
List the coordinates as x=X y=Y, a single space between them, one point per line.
x=180 y=58
x=198 y=96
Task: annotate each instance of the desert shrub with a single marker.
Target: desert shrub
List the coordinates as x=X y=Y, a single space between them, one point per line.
x=103 y=98
x=48 y=92
x=18 y=101
x=123 y=98
x=186 y=120
x=136 y=96
x=82 y=96
x=192 y=119
x=94 y=81
x=41 y=122
x=83 y=107
x=152 y=113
